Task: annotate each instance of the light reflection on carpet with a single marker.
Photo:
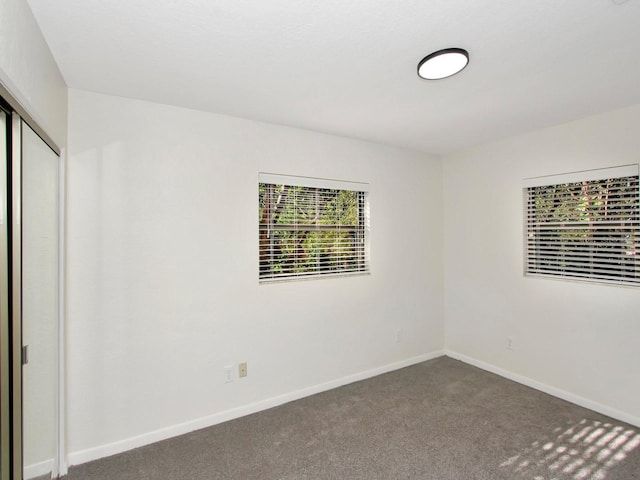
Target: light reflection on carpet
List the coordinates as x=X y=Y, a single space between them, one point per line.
x=585 y=451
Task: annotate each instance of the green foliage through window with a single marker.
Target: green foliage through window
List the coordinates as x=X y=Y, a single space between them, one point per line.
x=310 y=231
x=585 y=230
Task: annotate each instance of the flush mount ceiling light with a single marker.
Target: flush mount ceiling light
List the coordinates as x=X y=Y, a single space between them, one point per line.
x=443 y=63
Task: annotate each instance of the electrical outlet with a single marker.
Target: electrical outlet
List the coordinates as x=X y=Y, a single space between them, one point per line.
x=242 y=369
x=228 y=373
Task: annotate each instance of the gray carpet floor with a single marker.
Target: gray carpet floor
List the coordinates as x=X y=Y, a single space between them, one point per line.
x=440 y=420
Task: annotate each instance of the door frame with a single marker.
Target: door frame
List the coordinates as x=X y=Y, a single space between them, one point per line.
x=15 y=289
x=6 y=373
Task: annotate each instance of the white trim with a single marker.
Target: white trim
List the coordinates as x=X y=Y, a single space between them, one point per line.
x=17 y=102
x=297 y=181
x=310 y=276
x=120 y=446
x=584 y=176
x=62 y=200
x=39 y=469
x=543 y=387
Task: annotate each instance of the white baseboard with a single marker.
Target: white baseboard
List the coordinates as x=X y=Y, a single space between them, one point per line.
x=556 y=392
x=38 y=469
x=83 y=456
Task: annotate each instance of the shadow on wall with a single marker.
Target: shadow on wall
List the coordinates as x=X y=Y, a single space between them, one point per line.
x=587 y=450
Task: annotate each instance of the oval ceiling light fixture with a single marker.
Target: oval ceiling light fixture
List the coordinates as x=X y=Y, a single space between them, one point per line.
x=443 y=63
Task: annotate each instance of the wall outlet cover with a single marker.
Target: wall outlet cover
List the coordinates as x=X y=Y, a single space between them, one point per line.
x=228 y=374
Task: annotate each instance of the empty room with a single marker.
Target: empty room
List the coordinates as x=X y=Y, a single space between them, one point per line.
x=357 y=240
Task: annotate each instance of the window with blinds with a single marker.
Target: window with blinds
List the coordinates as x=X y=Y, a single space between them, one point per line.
x=585 y=230
x=308 y=229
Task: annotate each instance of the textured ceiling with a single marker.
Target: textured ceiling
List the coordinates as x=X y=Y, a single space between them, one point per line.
x=349 y=67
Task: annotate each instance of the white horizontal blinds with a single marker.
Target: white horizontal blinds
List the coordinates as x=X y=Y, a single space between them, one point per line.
x=292 y=180
x=587 y=230
x=307 y=231
x=583 y=176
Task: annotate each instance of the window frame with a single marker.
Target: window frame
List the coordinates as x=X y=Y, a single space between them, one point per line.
x=620 y=277
x=361 y=231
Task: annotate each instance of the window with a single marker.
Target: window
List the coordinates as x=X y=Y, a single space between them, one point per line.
x=311 y=227
x=585 y=226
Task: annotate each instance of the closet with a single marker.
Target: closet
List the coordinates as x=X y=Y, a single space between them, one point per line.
x=30 y=335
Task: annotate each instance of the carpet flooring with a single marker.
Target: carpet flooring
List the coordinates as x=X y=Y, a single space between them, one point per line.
x=440 y=420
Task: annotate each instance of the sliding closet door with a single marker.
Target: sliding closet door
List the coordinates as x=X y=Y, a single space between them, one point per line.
x=39 y=257
x=29 y=293
x=5 y=321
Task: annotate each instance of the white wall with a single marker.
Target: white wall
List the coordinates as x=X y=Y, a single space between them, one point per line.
x=162 y=267
x=29 y=72
x=578 y=339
